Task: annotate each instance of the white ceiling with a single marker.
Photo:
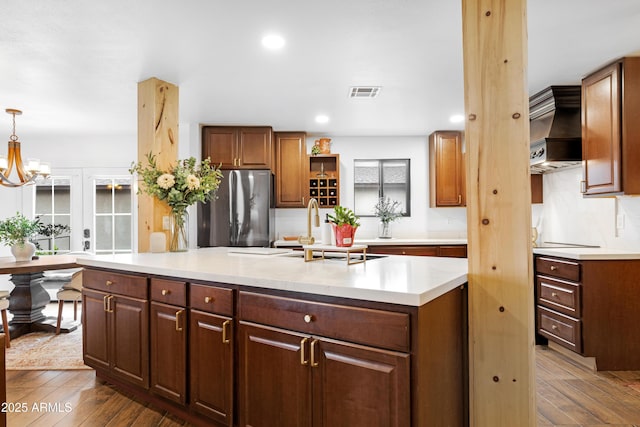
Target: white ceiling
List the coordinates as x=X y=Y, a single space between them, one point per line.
x=73 y=66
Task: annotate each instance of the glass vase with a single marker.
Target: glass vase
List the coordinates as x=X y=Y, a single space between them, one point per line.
x=384 y=230
x=179 y=241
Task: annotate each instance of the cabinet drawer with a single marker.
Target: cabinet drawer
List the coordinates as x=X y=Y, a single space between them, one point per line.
x=211 y=299
x=169 y=292
x=559 y=295
x=378 y=328
x=562 y=329
x=116 y=283
x=562 y=268
x=404 y=250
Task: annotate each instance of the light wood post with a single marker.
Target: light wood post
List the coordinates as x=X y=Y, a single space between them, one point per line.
x=157 y=133
x=501 y=341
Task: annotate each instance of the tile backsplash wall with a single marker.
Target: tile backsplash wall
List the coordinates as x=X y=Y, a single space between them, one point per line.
x=566 y=216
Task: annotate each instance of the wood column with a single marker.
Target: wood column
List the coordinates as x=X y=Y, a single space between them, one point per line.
x=157 y=133
x=501 y=326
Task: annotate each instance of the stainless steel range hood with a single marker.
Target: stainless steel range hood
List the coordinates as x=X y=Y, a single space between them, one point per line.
x=555 y=129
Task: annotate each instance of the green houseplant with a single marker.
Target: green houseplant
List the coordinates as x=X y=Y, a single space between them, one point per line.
x=344 y=223
x=15 y=232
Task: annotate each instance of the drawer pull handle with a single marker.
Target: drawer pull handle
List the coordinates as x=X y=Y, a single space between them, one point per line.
x=105 y=303
x=554 y=327
x=208 y=300
x=166 y=292
x=314 y=363
x=554 y=294
x=303 y=361
x=178 y=315
x=225 y=338
x=109 y=283
x=308 y=318
x=553 y=268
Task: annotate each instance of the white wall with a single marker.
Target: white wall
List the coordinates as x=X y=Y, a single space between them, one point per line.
x=568 y=217
x=424 y=222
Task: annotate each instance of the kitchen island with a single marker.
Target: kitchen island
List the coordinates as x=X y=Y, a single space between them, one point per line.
x=268 y=339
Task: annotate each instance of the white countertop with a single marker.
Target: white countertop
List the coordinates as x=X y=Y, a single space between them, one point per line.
x=406 y=280
x=588 y=253
x=393 y=241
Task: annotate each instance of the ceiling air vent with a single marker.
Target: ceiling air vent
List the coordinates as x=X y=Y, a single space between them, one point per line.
x=364 y=91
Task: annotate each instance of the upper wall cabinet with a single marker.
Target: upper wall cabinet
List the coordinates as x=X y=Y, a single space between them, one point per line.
x=446 y=169
x=611 y=129
x=247 y=147
x=291 y=169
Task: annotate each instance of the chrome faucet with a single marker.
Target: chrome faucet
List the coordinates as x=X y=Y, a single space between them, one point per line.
x=308 y=239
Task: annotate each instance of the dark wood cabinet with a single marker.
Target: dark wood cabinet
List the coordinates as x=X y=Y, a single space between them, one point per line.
x=610 y=129
x=246 y=147
x=116 y=327
x=324 y=179
x=453 y=251
x=536 y=188
x=446 y=169
x=291 y=169
x=590 y=307
x=319 y=372
x=169 y=339
x=211 y=354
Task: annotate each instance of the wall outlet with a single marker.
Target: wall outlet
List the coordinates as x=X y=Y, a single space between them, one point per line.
x=166 y=222
x=620 y=221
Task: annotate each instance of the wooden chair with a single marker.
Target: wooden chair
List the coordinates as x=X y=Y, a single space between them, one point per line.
x=70 y=291
x=4 y=305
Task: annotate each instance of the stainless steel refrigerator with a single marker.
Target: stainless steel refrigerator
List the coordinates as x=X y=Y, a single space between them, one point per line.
x=242 y=213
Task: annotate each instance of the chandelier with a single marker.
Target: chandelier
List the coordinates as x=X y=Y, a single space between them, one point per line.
x=26 y=174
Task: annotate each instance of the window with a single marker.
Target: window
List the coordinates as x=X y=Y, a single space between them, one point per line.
x=53 y=208
x=375 y=178
x=112 y=218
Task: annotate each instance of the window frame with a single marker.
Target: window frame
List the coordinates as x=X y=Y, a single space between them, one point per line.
x=381 y=184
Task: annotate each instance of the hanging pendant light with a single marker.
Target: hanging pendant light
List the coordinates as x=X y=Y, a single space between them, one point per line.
x=28 y=173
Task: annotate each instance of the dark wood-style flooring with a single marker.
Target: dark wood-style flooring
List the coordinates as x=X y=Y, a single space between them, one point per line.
x=568 y=394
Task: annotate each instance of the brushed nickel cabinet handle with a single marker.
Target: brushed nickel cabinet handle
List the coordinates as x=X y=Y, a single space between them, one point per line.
x=166 y=292
x=225 y=339
x=303 y=360
x=312 y=350
x=208 y=300
x=178 y=316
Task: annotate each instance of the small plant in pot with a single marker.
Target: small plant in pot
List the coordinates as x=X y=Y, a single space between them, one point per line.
x=387 y=210
x=15 y=232
x=344 y=223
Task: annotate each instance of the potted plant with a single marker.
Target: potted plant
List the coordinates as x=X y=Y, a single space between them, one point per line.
x=15 y=232
x=344 y=223
x=387 y=210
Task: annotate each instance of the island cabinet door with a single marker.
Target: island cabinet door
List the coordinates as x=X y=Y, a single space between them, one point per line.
x=359 y=386
x=169 y=352
x=274 y=377
x=211 y=366
x=129 y=339
x=95 y=324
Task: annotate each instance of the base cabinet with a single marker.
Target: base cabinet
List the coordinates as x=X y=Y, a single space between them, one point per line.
x=211 y=365
x=169 y=352
x=116 y=335
x=292 y=379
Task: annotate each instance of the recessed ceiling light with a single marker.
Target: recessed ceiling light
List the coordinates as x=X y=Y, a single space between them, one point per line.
x=456 y=118
x=273 y=41
x=321 y=118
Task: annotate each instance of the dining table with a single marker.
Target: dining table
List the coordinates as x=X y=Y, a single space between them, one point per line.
x=29 y=298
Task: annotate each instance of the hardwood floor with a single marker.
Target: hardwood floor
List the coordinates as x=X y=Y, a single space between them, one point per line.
x=568 y=394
